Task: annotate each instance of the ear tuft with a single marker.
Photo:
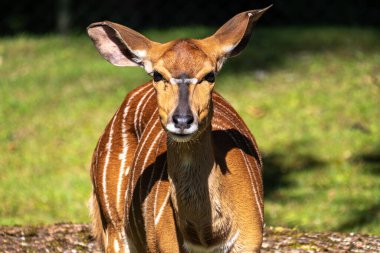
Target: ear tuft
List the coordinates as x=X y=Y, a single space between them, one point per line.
x=256 y=14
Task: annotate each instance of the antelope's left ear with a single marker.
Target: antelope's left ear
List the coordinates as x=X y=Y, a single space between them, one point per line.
x=230 y=39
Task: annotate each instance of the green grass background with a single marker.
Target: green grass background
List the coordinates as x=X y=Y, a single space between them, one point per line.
x=310 y=96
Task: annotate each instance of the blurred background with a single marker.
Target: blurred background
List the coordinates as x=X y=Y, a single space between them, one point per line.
x=307 y=85
x=73 y=16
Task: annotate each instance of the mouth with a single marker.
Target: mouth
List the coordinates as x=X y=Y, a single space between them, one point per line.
x=180 y=137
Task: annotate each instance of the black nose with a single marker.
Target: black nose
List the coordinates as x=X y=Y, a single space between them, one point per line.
x=183 y=121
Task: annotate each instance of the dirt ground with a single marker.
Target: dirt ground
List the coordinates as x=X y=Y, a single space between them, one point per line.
x=75 y=238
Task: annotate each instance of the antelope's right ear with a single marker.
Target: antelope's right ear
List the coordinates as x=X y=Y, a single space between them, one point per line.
x=121 y=45
x=230 y=39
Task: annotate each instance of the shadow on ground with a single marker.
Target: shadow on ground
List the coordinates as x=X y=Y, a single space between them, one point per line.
x=361 y=218
x=370 y=162
x=276 y=171
x=279 y=165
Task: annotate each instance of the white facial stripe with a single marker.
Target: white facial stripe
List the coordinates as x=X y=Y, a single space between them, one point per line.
x=185 y=80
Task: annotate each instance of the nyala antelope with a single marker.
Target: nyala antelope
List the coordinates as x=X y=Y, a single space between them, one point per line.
x=177 y=169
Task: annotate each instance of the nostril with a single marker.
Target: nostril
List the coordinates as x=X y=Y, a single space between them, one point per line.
x=182 y=121
x=190 y=119
x=175 y=119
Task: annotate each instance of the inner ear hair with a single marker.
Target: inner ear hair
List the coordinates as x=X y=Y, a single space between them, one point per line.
x=115 y=37
x=120 y=45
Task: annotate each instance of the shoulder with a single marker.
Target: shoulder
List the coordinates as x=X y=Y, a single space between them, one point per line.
x=138 y=93
x=230 y=130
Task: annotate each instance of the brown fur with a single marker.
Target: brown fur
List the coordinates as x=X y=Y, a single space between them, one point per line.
x=155 y=193
x=143 y=176
x=97 y=229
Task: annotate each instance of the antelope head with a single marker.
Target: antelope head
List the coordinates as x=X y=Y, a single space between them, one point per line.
x=183 y=70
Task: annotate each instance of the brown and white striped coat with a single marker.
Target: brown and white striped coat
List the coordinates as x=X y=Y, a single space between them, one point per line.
x=177 y=169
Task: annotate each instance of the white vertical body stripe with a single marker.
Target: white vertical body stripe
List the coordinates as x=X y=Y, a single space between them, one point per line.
x=142 y=112
x=96 y=161
x=158 y=136
x=108 y=148
x=156 y=193
x=161 y=210
x=137 y=158
x=135 y=121
x=152 y=174
x=123 y=154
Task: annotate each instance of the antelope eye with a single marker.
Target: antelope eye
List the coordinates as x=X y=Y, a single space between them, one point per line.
x=157 y=76
x=210 y=77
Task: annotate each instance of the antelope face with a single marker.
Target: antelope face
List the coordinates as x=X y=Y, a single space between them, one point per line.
x=184 y=78
x=183 y=70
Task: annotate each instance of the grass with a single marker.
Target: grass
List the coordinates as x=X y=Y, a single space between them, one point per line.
x=310 y=96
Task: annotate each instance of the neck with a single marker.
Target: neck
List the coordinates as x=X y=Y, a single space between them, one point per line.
x=195 y=190
x=190 y=166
